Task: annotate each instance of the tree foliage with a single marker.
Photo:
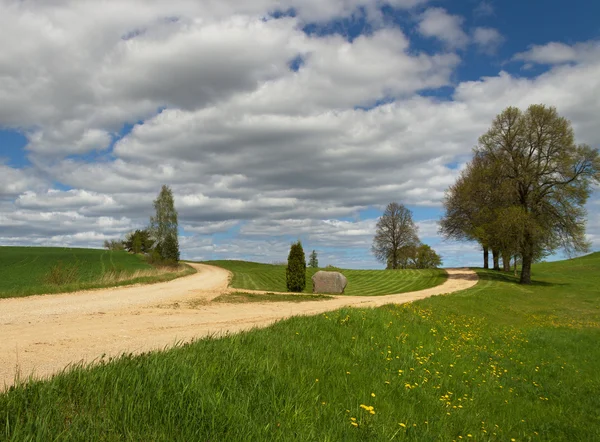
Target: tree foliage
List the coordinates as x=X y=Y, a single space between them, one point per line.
x=164 y=224
x=138 y=241
x=296 y=269
x=396 y=242
x=114 y=245
x=170 y=249
x=313 y=261
x=525 y=189
x=471 y=205
x=425 y=258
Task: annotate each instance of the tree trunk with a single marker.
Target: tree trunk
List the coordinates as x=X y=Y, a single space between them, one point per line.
x=516 y=257
x=506 y=262
x=526 y=268
x=496 y=257
x=486 y=257
x=527 y=258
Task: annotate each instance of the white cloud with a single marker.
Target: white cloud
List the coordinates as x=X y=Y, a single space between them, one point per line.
x=487 y=39
x=191 y=64
x=14 y=181
x=45 y=224
x=71 y=199
x=210 y=228
x=559 y=53
x=78 y=71
x=438 y=23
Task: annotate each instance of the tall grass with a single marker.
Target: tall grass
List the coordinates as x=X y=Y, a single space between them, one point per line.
x=114 y=277
x=270 y=277
x=497 y=362
x=62 y=274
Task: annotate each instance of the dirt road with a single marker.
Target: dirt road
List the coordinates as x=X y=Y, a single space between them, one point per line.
x=41 y=335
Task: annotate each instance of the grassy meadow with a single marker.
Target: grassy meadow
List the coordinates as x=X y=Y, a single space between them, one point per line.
x=270 y=277
x=41 y=270
x=498 y=362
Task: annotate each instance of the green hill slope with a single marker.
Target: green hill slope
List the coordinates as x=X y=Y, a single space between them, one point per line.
x=40 y=270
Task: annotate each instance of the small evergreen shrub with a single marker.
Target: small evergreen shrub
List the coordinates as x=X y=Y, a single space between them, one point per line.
x=296 y=269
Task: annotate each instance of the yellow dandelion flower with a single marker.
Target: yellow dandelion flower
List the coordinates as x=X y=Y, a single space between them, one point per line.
x=402 y=425
x=372 y=394
x=354 y=424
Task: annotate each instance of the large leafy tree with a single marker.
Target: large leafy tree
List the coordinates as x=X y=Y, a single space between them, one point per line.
x=163 y=225
x=542 y=181
x=535 y=152
x=395 y=237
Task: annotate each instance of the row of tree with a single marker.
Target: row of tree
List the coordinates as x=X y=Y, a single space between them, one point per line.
x=523 y=193
x=160 y=240
x=396 y=242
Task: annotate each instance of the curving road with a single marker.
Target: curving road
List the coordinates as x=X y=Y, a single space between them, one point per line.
x=40 y=335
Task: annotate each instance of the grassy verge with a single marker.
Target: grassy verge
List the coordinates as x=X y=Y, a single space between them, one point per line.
x=497 y=362
x=269 y=277
x=242 y=298
x=26 y=271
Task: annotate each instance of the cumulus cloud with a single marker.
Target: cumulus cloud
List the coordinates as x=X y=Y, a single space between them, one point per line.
x=487 y=39
x=438 y=23
x=14 y=181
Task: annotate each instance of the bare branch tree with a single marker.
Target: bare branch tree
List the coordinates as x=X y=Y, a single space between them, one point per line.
x=396 y=231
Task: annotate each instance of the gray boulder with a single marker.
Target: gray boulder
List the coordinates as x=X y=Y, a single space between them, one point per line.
x=329 y=282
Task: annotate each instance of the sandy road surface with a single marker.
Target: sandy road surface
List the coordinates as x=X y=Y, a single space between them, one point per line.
x=41 y=335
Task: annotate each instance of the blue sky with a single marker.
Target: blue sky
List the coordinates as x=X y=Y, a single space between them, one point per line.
x=269 y=126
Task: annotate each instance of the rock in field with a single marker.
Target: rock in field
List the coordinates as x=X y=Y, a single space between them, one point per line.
x=329 y=282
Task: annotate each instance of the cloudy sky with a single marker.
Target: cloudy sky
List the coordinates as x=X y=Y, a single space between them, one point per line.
x=272 y=120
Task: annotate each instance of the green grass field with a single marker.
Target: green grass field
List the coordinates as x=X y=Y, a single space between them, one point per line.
x=256 y=276
x=497 y=362
x=41 y=270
